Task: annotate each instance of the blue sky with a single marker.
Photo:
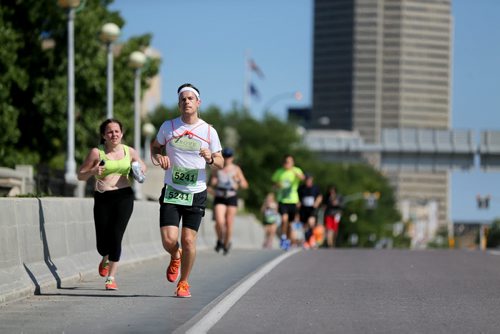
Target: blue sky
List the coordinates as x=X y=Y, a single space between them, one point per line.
x=205 y=42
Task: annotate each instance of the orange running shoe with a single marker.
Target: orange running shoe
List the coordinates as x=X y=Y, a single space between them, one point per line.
x=173 y=268
x=183 y=290
x=110 y=284
x=104 y=268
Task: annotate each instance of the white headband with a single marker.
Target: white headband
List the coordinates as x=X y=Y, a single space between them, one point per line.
x=189 y=89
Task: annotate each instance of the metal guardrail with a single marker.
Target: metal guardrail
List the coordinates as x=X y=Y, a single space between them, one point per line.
x=490 y=150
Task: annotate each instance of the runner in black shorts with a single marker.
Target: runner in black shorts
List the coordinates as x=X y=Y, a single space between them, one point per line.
x=286 y=182
x=190 y=145
x=170 y=214
x=230 y=201
x=310 y=200
x=287 y=209
x=225 y=184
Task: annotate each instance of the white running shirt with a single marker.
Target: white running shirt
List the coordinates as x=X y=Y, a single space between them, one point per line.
x=183 y=142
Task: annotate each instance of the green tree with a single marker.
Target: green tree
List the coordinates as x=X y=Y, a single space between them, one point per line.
x=12 y=76
x=34 y=90
x=260 y=147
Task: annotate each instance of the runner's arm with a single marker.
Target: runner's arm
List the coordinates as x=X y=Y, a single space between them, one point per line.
x=90 y=166
x=240 y=179
x=156 y=155
x=213 y=159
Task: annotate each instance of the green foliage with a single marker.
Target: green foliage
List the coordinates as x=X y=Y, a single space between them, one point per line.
x=12 y=76
x=33 y=85
x=259 y=146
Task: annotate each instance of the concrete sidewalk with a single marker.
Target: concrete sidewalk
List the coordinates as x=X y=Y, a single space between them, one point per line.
x=45 y=242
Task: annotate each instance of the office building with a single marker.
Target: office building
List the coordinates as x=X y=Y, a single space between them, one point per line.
x=385 y=64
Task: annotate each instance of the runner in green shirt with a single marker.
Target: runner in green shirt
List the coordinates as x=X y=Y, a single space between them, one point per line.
x=286 y=183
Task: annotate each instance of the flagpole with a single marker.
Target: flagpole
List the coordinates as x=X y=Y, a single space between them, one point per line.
x=246 y=99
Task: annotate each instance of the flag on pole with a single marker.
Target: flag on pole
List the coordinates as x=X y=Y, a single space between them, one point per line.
x=253 y=66
x=253 y=91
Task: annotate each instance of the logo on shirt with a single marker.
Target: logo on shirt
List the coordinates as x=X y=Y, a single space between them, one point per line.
x=186 y=144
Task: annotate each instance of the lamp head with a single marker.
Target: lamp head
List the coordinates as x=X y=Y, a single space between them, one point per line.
x=137 y=59
x=110 y=32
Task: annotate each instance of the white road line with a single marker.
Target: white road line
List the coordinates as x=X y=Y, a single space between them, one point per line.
x=214 y=315
x=494 y=252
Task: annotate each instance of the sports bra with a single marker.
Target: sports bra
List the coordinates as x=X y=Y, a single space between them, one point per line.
x=121 y=167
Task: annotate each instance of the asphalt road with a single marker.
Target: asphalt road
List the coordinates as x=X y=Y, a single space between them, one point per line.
x=319 y=291
x=373 y=291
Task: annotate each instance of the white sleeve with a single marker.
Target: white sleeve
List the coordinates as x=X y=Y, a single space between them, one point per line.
x=215 y=145
x=161 y=136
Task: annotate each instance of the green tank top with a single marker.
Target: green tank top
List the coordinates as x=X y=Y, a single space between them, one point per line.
x=121 y=167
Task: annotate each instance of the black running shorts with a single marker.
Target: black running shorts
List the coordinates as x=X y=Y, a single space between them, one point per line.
x=171 y=214
x=290 y=209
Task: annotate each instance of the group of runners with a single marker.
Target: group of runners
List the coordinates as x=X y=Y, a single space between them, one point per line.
x=296 y=208
x=184 y=146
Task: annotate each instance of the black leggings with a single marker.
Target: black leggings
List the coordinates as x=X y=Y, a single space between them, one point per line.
x=112 y=211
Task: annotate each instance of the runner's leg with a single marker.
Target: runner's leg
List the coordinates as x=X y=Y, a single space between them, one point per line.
x=230 y=214
x=188 y=241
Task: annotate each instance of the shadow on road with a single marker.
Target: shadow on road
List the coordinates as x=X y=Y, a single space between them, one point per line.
x=108 y=295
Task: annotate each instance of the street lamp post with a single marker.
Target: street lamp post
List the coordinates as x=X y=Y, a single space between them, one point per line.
x=137 y=60
x=148 y=130
x=70 y=174
x=296 y=95
x=109 y=33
